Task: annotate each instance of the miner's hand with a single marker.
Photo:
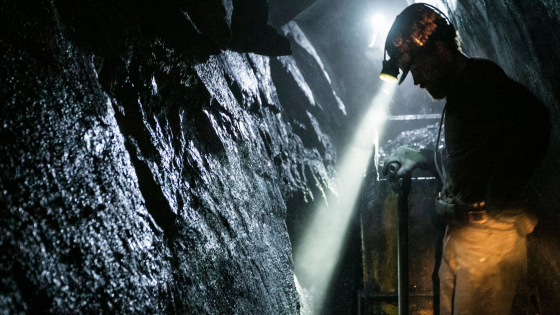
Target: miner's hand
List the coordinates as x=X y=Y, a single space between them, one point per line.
x=406 y=159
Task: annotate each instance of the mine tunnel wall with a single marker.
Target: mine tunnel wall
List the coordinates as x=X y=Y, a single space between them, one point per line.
x=145 y=168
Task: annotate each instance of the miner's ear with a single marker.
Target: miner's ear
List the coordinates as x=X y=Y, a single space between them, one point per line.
x=442 y=49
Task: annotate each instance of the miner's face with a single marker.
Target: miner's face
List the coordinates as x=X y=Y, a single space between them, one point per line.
x=433 y=71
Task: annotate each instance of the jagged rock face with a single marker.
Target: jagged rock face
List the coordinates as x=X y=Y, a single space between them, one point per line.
x=142 y=173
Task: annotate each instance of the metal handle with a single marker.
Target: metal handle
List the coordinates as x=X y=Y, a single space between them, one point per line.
x=402 y=188
x=402 y=241
x=394 y=168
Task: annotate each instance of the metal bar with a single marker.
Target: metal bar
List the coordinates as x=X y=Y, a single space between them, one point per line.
x=403 y=244
x=414 y=117
x=413 y=178
x=392 y=296
x=359 y=302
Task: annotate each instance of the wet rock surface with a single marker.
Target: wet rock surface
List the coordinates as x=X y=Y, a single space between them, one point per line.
x=146 y=169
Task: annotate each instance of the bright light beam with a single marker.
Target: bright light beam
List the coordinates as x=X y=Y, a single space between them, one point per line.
x=378 y=21
x=319 y=252
x=380 y=28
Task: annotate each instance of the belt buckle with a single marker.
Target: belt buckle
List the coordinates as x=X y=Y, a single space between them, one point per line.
x=478 y=217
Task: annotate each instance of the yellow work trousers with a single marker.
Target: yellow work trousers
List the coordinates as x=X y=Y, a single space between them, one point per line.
x=483 y=265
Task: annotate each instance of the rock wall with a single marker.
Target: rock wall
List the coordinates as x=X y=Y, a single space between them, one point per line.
x=145 y=168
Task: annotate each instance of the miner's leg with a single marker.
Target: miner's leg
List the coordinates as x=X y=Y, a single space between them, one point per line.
x=490 y=258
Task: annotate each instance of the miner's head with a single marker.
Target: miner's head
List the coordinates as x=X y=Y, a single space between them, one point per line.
x=424 y=42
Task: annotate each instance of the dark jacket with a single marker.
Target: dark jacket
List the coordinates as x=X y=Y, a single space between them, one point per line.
x=496 y=132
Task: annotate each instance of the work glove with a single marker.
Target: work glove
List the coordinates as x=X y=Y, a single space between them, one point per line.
x=405 y=159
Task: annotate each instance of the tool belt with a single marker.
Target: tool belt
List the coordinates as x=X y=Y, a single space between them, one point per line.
x=471 y=213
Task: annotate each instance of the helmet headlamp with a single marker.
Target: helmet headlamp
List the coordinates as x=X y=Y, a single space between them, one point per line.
x=412 y=30
x=390 y=71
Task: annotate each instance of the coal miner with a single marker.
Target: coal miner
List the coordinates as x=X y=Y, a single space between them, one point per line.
x=496 y=132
